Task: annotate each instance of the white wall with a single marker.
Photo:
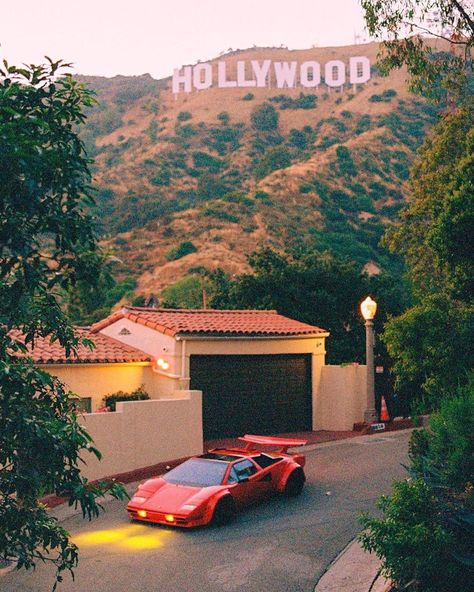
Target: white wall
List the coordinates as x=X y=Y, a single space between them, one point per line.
x=340 y=400
x=143 y=433
x=148 y=340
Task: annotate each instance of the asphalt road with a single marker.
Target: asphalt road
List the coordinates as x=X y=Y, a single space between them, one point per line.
x=278 y=546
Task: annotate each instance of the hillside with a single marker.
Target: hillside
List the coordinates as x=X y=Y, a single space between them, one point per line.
x=195 y=181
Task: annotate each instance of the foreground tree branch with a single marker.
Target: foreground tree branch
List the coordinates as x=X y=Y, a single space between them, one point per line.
x=47 y=244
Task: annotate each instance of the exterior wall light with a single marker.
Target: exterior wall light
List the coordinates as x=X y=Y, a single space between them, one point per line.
x=163 y=364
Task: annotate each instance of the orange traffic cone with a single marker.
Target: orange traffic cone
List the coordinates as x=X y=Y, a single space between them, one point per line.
x=384 y=416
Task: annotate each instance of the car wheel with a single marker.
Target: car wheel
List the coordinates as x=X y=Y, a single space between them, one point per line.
x=223 y=512
x=294 y=484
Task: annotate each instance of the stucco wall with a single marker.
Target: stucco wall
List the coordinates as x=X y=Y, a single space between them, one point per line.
x=148 y=340
x=143 y=433
x=341 y=397
x=98 y=380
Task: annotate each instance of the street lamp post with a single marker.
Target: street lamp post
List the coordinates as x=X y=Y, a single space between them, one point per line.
x=368 y=309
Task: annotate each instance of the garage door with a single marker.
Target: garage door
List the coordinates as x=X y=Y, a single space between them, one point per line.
x=267 y=394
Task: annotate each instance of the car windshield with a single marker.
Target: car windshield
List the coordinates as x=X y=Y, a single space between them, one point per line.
x=198 y=472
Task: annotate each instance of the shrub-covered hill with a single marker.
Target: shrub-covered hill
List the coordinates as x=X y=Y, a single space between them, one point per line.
x=196 y=181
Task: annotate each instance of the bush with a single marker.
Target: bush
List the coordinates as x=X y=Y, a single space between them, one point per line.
x=302 y=102
x=345 y=163
x=264 y=197
x=183 y=249
x=306 y=188
x=389 y=93
x=363 y=124
x=162 y=178
x=375 y=99
x=426 y=536
x=184 y=116
x=274 y=159
x=137 y=395
x=385 y=97
x=264 y=118
x=205 y=160
x=185 y=293
x=298 y=139
x=448 y=444
x=248 y=97
x=185 y=131
x=221 y=212
x=224 y=117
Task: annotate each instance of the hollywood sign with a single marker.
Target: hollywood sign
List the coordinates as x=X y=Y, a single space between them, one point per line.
x=267 y=73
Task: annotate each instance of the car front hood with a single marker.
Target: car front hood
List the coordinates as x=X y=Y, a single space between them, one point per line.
x=170 y=498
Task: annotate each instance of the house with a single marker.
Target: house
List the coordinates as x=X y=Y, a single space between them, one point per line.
x=258 y=370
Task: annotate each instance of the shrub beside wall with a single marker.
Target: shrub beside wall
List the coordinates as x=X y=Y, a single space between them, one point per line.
x=137 y=395
x=425 y=538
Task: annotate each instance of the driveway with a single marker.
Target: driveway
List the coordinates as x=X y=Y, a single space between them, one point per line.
x=279 y=546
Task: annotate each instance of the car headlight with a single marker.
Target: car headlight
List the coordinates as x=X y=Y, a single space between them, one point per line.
x=139 y=499
x=188 y=507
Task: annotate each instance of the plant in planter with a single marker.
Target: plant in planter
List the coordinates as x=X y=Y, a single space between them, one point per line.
x=138 y=394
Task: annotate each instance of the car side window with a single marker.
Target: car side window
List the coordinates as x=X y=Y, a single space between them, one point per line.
x=266 y=460
x=241 y=470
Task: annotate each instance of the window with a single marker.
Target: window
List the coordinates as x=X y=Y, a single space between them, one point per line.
x=241 y=470
x=83 y=404
x=198 y=472
x=265 y=460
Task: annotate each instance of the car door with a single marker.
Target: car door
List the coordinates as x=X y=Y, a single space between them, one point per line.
x=245 y=482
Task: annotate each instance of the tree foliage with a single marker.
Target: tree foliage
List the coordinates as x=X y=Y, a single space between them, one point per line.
x=314 y=288
x=431 y=348
x=430 y=342
x=47 y=244
x=185 y=293
x=404 y=27
x=264 y=118
x=425 y=537
x=435 y=235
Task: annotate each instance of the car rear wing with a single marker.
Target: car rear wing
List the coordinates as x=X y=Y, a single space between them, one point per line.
x=281 y=443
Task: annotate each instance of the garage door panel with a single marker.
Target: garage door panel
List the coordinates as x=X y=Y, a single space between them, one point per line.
x=263 y=394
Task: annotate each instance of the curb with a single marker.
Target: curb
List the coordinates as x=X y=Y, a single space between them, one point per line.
x=353 y=570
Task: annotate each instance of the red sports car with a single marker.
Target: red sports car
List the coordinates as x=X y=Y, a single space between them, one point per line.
x=212 y=486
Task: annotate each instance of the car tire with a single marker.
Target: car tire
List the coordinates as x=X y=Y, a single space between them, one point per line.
x=294 y=484
x=223 y=512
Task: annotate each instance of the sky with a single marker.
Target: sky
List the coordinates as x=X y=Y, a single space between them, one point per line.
x=105 y=37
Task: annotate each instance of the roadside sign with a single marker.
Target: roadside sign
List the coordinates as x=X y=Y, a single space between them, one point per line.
x=378 y=427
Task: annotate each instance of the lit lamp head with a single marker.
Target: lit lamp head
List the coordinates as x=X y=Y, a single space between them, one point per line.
x=163 y=364
x=368 y=308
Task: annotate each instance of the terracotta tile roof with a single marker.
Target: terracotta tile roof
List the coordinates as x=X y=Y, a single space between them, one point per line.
x=107 y=350
x=211 y=322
